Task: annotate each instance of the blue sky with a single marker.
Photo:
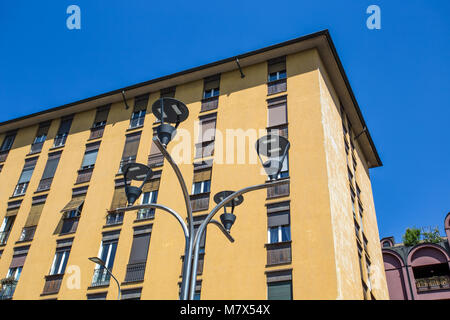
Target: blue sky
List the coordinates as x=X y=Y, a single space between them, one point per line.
x=399 y=74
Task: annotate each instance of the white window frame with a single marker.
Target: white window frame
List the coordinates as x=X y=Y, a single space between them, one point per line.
x=65 y=253
x=202 y=187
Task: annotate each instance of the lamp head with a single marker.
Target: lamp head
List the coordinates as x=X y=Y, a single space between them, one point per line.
x=272 y=150
x=98 y=261
x=139 y=172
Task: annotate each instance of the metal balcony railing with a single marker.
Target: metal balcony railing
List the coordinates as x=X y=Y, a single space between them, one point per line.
x=143 y=214
x=52 y=283
x=279 y=253
x=7 y=291
x=60 y=140
x=101 y=278
x=27 y=234
x=200 y=202
x=21 y=188
x=45 y=184
x=135 y=272
x=433 y=283
x=114 y=218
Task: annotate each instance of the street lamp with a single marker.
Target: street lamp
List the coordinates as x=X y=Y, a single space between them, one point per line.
x=226 y=218
x=102 y=263
x=169 y=110
x=135 y=171
x=272 y=150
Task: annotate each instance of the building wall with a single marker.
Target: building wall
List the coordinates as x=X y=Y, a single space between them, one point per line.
x=324 y=256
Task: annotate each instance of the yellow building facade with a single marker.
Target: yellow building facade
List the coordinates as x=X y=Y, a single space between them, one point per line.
x=314 y=238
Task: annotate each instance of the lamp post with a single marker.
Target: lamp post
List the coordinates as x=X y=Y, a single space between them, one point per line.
x=171 y=111
x=102 y=263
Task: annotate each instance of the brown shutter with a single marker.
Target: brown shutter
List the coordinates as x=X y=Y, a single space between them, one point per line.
x=52 y=164
x=12 y=212
x=93 y=146
x=202 y=175
x=43 y=129
x=278 y=64
x=152 y=185
x=168 y=92
x=140 y=103
x=212 y=82
x=119 y=199
x=131 y=145
x=208 y=130
x=65 y=125
x=277 y=112
x=139 y=248
x=74 y=204
x=18 y=261
x=34 y=215
x=102 y=114
x=278 y=219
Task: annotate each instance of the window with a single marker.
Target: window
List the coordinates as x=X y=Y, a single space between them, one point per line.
x=278 y=233
x=14 y=272
x=41 y=136
x=277 y=75
x=138 y=255
x=107 y=253
x=25 y=177
x=33 y=219
x=168 y=92
x=49 y=171
x=131 y=294
x=130 y=149
x=114 y=218
x=98 y=127
x=279 y=285
x=88 y=163
x=155 y=158
x=139 y=111
x=205 y=145
x=7 y=225
x=211 y=87
x=277 y=111
x=70 y=215
x=8 y=142
x=60 y=261
x=201 y=187
x=148 y=197
x=63 y=132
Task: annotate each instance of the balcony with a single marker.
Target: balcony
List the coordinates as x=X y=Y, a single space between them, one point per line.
x=4 y=237
x=114 y=218
x=433 y=283
x=276 y=86
x=101 y=278
x=210 y=104
x=60 y=140
x=137 y=122
x=200 y=202
x=278 y=253
x=52 y=284
x=84 y=175
x=135 y=272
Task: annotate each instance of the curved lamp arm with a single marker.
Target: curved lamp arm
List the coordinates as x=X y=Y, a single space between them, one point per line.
x=117 y=282
x=225 y=232
x=211 y=215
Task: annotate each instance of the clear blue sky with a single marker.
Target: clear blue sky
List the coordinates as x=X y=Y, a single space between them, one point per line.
x=400 y=74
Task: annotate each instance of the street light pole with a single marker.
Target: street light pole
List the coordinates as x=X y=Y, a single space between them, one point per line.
x=100 y=262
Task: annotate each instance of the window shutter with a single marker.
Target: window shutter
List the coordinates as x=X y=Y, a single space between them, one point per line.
x=140 y=103
x=102 y=114
x=280 y=291
x=278 y=64
x=43 y=129
x=74 y=204
x=277 y=112
x=18 y=260
x=212 y=82
x=131 y=145
x=168 y=92
x=139 y=248
x=278 y=219
x=202 y=175
x=52 y=163
x=34 y=215
x=208 y=129
x=27 y=171
x=11 y=212
x=152 y=185
x=119 y=199
x=89 y=158
x=64 y=127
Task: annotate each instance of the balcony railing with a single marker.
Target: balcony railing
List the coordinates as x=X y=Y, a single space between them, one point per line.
x=114 y=218
x=137 y=122
x=276 y=86
x=7 y=291
x=126 y=161
x=84 y=175
x=60 y=140
x=135 y=272
x=4 y=237
x=209 y=104
x=200 y=202
x=45 y=184
x=52 y=283
x=433 y=283
x=101 y=278
x=278 y=253
x=97 y=132
x=143 y=214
